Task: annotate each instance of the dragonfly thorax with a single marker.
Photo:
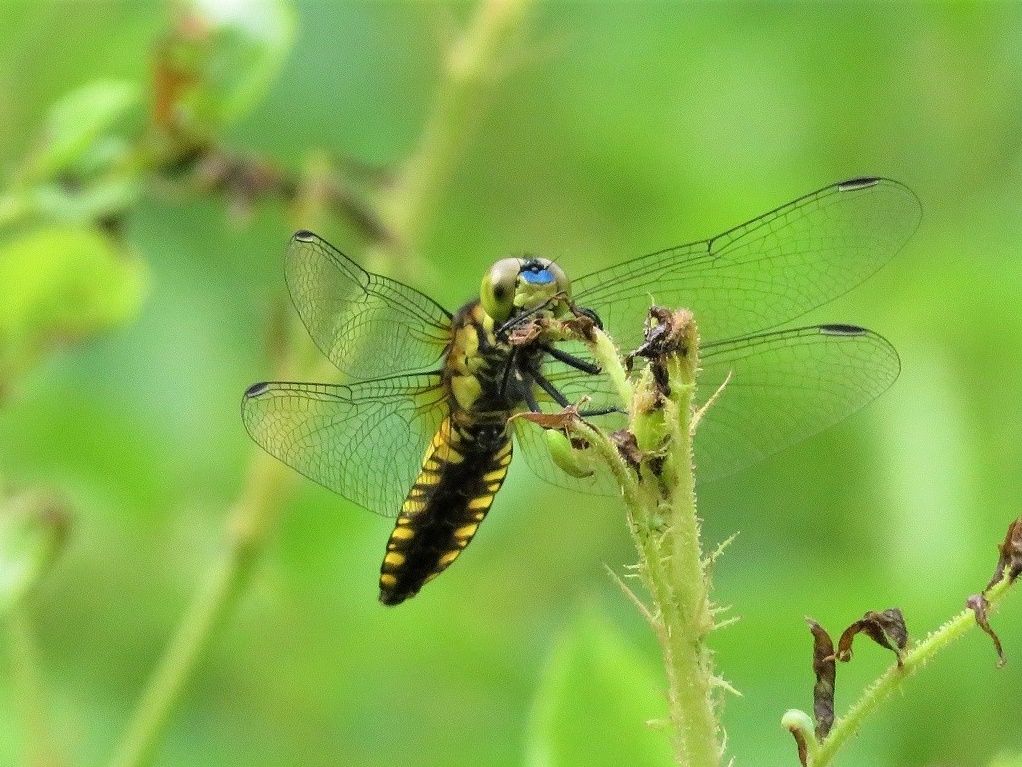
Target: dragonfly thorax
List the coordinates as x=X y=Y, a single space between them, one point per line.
x=482 y=372
x=516 y=285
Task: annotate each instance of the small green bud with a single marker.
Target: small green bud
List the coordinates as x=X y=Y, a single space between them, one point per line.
x=569 y=459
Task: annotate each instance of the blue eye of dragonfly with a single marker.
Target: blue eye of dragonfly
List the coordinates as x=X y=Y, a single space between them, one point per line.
x=535 y=276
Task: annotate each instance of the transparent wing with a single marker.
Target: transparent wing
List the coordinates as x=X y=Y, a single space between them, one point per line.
x=785 y=386
x=368 y=325
x=765 y=272
x=365 y=441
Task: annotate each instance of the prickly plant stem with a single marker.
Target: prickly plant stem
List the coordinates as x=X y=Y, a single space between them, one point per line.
x=665 y=527
x=472 y=63
x=688 y=618
x=892 y=679
x=678 y=579
x=607 y=356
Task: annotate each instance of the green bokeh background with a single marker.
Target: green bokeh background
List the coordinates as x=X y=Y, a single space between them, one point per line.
x=622 y=128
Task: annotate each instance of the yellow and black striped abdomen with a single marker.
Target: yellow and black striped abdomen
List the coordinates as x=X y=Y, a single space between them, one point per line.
x=464 y=467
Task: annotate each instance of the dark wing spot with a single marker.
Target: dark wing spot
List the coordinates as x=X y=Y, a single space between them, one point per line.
x=256 y=389
x=862 y=182
x=842 y=330
x=305 y=235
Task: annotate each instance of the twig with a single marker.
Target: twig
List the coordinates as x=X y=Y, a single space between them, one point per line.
x=913 y=660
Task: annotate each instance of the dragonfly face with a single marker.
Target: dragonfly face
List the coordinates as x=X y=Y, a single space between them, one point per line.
x=421 y=429
x=524 y=285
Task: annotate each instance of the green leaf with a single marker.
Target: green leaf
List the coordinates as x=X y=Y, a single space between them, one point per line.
x=79 y=124
x=97 y=200
x=595 y=702
x=33 y=529
x=219 y=62
x=62 y=283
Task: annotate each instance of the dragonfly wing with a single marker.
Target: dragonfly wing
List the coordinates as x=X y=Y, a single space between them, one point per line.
x=368 y=325
x=784 y=387
x=765 y=272
x=365 y=440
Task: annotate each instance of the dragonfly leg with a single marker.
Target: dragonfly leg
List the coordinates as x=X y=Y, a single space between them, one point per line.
x=585 y=312
x=571 y=360
x=560 y=399
x=506 y=378
x=531 y=401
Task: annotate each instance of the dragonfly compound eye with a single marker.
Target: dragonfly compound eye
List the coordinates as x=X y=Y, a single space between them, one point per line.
x=497 y=293
x=560 y=278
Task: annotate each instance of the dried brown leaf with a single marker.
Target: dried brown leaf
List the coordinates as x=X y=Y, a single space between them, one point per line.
x=886 y=628
x=1010 y=554
x=562 y=419
x=627 y=446
x=979 y=605
x=826 y=673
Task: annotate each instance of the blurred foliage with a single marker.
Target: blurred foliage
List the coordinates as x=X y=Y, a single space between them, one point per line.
x=598 y=703
x=218 y=62
x=620 y=131
x=77 y=131
x=33 y=530
x=65 y=283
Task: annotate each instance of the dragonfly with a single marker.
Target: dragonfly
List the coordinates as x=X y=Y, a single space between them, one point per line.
x=423 y=428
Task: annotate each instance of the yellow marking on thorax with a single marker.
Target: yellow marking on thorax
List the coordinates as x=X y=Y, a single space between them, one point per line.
x=466 y=389
x=465 y=355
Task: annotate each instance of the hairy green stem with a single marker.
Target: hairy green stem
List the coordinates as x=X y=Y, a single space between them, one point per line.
x=661 y=502
x=679 y=583
x=688 y=619
x=406 y=211
x=892 y=679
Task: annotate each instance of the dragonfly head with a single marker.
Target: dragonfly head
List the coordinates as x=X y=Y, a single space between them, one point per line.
x=515 y=285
